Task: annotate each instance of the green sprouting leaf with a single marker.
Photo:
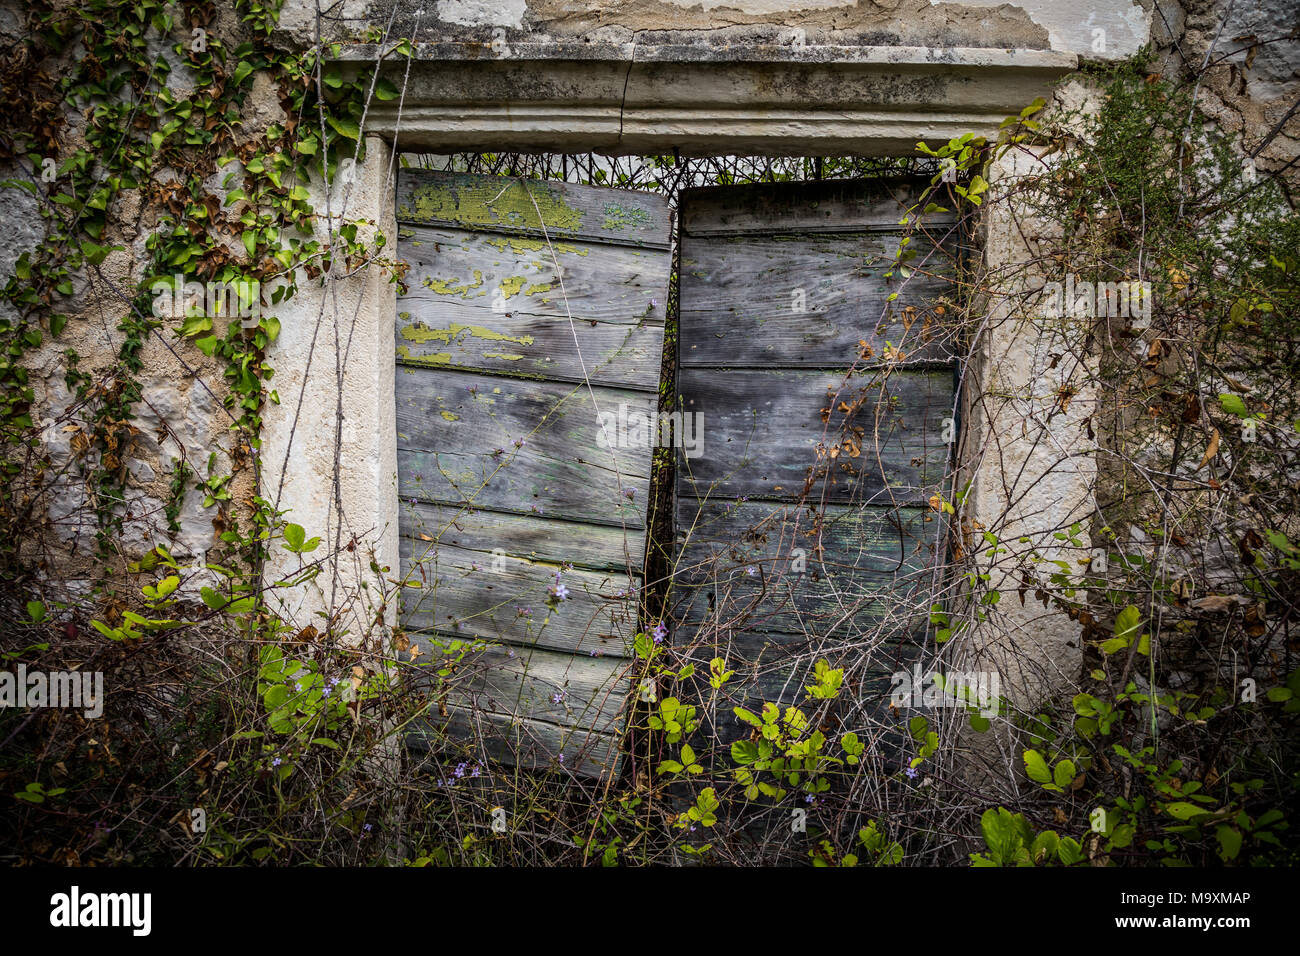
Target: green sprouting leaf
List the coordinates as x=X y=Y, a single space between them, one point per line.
x=94 y=253
x=1184 y=811
x=1063 y=774
x=345 y=126
x=242 y=71
x=1036 y=767
x=36 y=611
x=294 y=536
x=1229 y=841
x=1127 y=623
x=1232 y=404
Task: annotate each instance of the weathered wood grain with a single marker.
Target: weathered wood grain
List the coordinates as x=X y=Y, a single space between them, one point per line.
x=470 y=273
x=765 y=435
x=504 y=303
x=807 y=207
x=839 y=467
x=458 y=593
x=841 y=571
x=545 y=540
x=531 y=308
x=533 y=744
x=741 y=301
x=537 y=684
x=457 y=434
x=532 y=207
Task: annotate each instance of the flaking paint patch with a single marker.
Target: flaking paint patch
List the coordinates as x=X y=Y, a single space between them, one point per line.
x=449 y=286
x=519 y=246
x=433 y=358
x=470 y=203
x=419 y=334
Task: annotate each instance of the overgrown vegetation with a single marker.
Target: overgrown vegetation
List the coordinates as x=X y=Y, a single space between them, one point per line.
x=237 y=736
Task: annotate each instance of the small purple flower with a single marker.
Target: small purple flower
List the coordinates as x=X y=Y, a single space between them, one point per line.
x=561 y=758
x=629 y=494
x=367 y=827
x=325 y=692
x=751 y=570
x=519 y=443
x=275 y=762
x=560 y=592
x=524 y=611
x=558 y=697
x=912 y=773
x=660 y=632
x=809 y=798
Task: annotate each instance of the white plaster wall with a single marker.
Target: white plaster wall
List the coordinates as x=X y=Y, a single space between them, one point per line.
x=1033 y=464
x=339 y=332
x=1098 y=29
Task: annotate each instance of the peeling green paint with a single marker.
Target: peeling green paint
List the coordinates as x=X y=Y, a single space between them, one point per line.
x=475 y=202
x=449 y=286
x=450 y=416
x=538 y=287
x=520 y=246
x=433 y=358
x=512 y=285
x=508 y=356
x=420 y=333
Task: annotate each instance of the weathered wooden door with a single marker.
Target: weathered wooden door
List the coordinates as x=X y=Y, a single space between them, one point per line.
x=533 y=309
x=826 y=388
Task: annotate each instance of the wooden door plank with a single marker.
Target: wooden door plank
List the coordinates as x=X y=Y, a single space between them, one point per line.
x=803 y=207
x=811 y=302
x=843 y=571
x=533 y=208
x=457 y=434
x=533 y=744
x=765 y=435
x=544 y=540
x=539 y=684
x=457 y=593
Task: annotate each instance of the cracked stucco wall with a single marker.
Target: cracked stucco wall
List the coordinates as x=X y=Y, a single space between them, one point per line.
x=1104 y=29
